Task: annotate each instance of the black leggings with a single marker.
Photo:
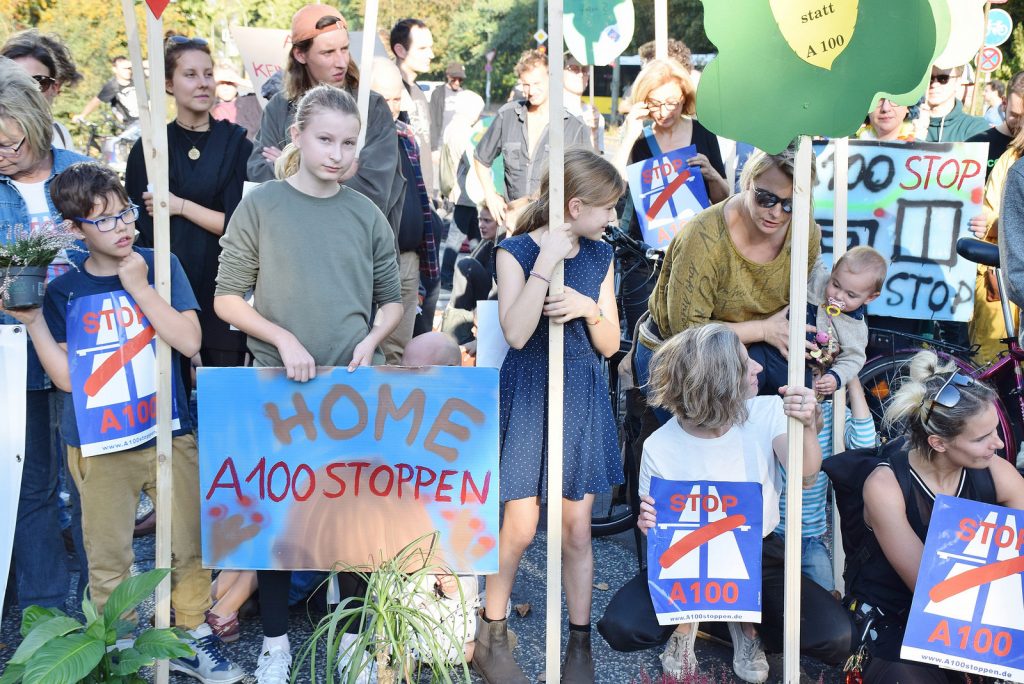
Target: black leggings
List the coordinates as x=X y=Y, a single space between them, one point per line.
x=826 y=630
x=273 y=588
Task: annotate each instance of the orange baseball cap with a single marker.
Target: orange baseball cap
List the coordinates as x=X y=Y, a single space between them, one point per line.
x=305 y=20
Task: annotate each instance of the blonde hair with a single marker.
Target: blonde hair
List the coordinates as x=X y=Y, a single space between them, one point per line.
x=589 y=177
x=700 y=375
x=912 y=402
x=864 y=258
x=657 y=73
x=22 y=102
x=760 y=162
x=322 y=97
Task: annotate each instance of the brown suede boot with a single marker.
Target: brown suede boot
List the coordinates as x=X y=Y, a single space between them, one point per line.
x=578 y=666
x=492 y=658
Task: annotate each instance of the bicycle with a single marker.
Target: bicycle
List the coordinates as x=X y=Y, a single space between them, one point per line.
x=882 y=375
x=616 y=511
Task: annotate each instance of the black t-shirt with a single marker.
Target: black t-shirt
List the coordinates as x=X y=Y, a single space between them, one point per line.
x=122 y=101
x=997 y=144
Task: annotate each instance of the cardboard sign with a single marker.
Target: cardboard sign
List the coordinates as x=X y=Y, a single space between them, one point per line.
x=666 y=194
x=112 y=360
x=968 y=610
x=598 y=31
x=704 y=556
x=14 y=371
x=828 y=63
x=491 y=346
x=264 y=52
x=911 y=202
x=967 y=31
x=349 y=467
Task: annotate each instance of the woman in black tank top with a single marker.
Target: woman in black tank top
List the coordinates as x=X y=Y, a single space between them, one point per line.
x=951 y=446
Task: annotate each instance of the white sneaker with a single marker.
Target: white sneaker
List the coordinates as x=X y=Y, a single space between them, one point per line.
x=367 y=664
x=748 y=661
x=678 y=659
x=274 y=666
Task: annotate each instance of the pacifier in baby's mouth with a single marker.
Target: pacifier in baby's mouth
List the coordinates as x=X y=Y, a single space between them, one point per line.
x=834 y=307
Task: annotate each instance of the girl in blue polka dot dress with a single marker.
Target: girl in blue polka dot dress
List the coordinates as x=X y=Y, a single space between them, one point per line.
x=587 y=309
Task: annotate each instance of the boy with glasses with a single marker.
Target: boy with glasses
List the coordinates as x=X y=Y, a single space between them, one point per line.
x=94 y=337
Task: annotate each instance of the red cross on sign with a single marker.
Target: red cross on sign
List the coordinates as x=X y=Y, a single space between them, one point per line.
x=989 y=59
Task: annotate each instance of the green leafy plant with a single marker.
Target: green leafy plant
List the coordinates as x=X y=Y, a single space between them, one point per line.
x=398 y=618
x=58 y=649
x=22 y=247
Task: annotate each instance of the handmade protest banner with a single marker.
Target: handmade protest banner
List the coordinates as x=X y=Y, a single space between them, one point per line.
x=704 y=556
x=111 y=358
x=911 y=202
x=666 y=194
x=14 y=371
x=349 y=467
x=968 y=609
x=598 y=31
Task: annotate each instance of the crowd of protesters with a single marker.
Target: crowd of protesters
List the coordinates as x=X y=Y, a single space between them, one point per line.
x=388 y=228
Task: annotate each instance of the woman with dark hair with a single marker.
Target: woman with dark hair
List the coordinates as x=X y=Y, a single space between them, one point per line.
x=207 y=160
x=49 y=62
x=950 y=448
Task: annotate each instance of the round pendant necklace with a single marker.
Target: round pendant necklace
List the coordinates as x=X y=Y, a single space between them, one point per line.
x=193 y=152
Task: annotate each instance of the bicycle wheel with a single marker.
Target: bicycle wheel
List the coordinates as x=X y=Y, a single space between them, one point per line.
x=882 y=376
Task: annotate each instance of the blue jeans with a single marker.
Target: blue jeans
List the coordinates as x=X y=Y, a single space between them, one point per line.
x=642 y=365
x=815 y=562
x=39 y=557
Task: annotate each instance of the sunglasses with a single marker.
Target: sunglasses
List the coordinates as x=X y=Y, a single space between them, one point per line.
x=185 y=40
x=767 y=200
x=941 y=79
x=105 y=224
x=45 y=82
x=948 y=395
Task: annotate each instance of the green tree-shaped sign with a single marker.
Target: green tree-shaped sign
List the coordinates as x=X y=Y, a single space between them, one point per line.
x=597 y=31
x=813 y=67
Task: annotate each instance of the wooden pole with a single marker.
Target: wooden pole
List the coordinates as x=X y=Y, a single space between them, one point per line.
x=139 y=80
x=366 y=69
x=841 y=164
x=556 y=350
x=661 y=29
x=800 y=231
x=162 y=279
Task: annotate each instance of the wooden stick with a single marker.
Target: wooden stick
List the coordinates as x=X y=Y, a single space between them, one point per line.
x=139 y=80
x=841 y=164
x=366 y=69
x=162 y=279
x=556 y=350
x=800 y=230
x=661 y=29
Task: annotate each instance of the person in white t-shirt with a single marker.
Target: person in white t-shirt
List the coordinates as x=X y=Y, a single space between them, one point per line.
x=723 y=432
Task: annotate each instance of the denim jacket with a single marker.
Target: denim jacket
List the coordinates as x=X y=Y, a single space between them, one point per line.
x=13 y=211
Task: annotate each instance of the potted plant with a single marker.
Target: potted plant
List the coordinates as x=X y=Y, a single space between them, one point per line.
x=58 y=649
x=24 y=258
x=401 y=624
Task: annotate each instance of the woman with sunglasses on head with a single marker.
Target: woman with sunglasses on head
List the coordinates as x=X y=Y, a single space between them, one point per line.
x=28 y=162
x=49 y=62
x=949 y=448
x=661 y=120
x=731 y=265
x=207 y=159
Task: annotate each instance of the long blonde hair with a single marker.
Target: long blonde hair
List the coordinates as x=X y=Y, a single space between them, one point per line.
x=322 y=97
x=913 y=405
x=700 y=375
x=589 y=177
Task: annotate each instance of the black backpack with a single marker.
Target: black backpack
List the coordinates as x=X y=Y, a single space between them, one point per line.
x=849 y=470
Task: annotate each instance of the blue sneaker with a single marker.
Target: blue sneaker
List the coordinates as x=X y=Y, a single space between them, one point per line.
x=209 y=664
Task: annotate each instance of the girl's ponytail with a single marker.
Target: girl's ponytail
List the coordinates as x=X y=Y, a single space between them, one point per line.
x=288 y=163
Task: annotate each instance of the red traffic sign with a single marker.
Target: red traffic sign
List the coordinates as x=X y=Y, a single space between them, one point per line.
x=989 y=59
x=157 y=7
